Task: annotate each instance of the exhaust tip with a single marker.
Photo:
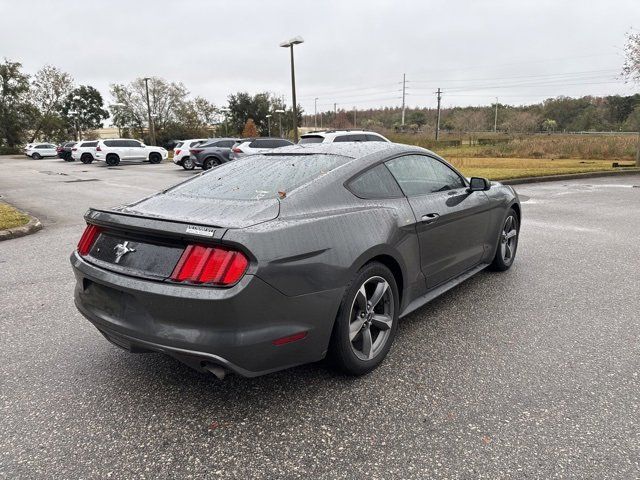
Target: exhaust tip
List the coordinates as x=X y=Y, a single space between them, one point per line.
x=216 y=370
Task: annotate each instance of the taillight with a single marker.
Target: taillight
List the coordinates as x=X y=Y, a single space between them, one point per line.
x=236 y=150
x=177 y=152
x=195 y=151
x=74 y=149
x=98 y=149
x=88 y=237
x=213 y=265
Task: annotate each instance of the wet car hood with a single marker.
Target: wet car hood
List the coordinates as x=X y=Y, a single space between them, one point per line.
x=205 y=211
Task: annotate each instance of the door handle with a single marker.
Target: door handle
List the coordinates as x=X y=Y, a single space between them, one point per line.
x=430 y=217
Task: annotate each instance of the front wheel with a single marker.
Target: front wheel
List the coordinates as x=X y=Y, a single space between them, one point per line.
x=155 y=158
x=507 y=243
x=36 y=156
x=367 y=321
x=188 y=164
x=86 y=158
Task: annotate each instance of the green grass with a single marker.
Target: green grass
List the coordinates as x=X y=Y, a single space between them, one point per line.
x=10 y=217
x=506 y=168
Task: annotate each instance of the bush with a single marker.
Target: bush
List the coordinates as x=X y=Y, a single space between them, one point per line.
x=9 y=150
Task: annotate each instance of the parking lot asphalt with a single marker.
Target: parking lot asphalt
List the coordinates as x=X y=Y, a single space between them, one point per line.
x=531 y=373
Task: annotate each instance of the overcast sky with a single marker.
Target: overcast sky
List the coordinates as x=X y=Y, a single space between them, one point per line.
x=355 y=51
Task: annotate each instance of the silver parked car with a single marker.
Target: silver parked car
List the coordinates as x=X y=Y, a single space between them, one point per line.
x=40 y=150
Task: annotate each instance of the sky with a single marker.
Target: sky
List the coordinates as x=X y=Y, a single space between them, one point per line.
x=355 y=52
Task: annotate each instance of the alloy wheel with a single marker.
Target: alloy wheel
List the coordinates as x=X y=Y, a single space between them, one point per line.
x=371 y=319
x=509 y=239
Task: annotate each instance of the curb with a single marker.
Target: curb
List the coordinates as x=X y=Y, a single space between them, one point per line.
x=31 y=227
x=569 y=176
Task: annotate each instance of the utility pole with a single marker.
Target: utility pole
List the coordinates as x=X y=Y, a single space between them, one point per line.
x=269 y=124
x=439 y=93
x=495 y=119
x=152 y=133
x=315 y=113
x=404 y=87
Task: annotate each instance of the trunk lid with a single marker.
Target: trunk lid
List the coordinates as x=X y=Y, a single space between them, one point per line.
x=205 y=211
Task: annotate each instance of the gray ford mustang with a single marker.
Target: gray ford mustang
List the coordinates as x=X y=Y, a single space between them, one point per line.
x=285 y=258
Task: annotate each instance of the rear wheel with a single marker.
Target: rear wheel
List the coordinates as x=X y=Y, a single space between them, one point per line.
x=86 y=158
x=367 y=321
x=188 y=164
x=155 y=157
x=507 y=243
x=36 y=156
x=112 y=160
x=210 y=163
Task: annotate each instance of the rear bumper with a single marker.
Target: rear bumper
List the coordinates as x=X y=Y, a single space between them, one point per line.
x=229 y=327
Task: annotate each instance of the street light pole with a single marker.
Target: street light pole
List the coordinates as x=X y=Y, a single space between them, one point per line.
x=280 y=112
x=225 y=111
x=315 y=113
x=289 y=44
x=269 y=124
x=152 y=133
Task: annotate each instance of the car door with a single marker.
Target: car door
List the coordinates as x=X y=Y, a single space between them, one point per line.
x=135 y=150
x=451 y=223
x=49 y=150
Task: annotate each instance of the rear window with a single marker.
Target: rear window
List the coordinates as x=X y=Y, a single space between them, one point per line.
x=178 y=145
x=351 y=138
x=311 y=139
x=259 y=176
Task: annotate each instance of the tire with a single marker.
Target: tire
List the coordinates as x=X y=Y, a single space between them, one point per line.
x=112 y=160
x=86 y=158
x=155 y=157
x=507 y=243
x=36 y=156
x=210 y=163
x=362 y=336
x=188 y=164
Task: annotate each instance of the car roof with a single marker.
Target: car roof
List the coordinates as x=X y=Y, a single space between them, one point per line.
x=346 y=149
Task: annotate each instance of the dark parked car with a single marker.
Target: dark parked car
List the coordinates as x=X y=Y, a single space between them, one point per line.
x=213 y=152
x=284 y=258
x=64 y=151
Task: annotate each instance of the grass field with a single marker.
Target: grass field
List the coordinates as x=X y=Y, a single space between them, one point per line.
x=504 y=168
x=10 y=217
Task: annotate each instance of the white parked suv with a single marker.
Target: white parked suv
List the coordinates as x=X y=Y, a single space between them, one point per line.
x=329 y=136
x=39 y=150
x=112 y=151
x=249 y=146
x=181 y=154
x=84 y=151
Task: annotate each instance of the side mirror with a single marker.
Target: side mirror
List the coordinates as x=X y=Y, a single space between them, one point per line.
x=478 y=184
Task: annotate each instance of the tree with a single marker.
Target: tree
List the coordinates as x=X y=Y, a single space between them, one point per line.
x=250 y=130
x=16 y=112
x=522 y=122
x=165 y=98
x=549 y=125
x=49 y=88
x=631 y=70
x=468 y=121
x=243 y=106
x=83 y=110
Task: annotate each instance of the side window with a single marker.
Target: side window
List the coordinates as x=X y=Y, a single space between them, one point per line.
x=419 y=175
x=40 y=146
x=343 y=138
x=282 y=143
x=132 y=144
x=375 y=138
x=226 y=143
x=256 y=144
x=376 y=182
x=111 y=143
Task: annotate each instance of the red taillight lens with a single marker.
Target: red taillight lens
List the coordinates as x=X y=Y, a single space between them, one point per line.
x=236 y=150
x=88 y=237
x=195 y=151
x=177 y=152
x=98 y=149
x=214 y=265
